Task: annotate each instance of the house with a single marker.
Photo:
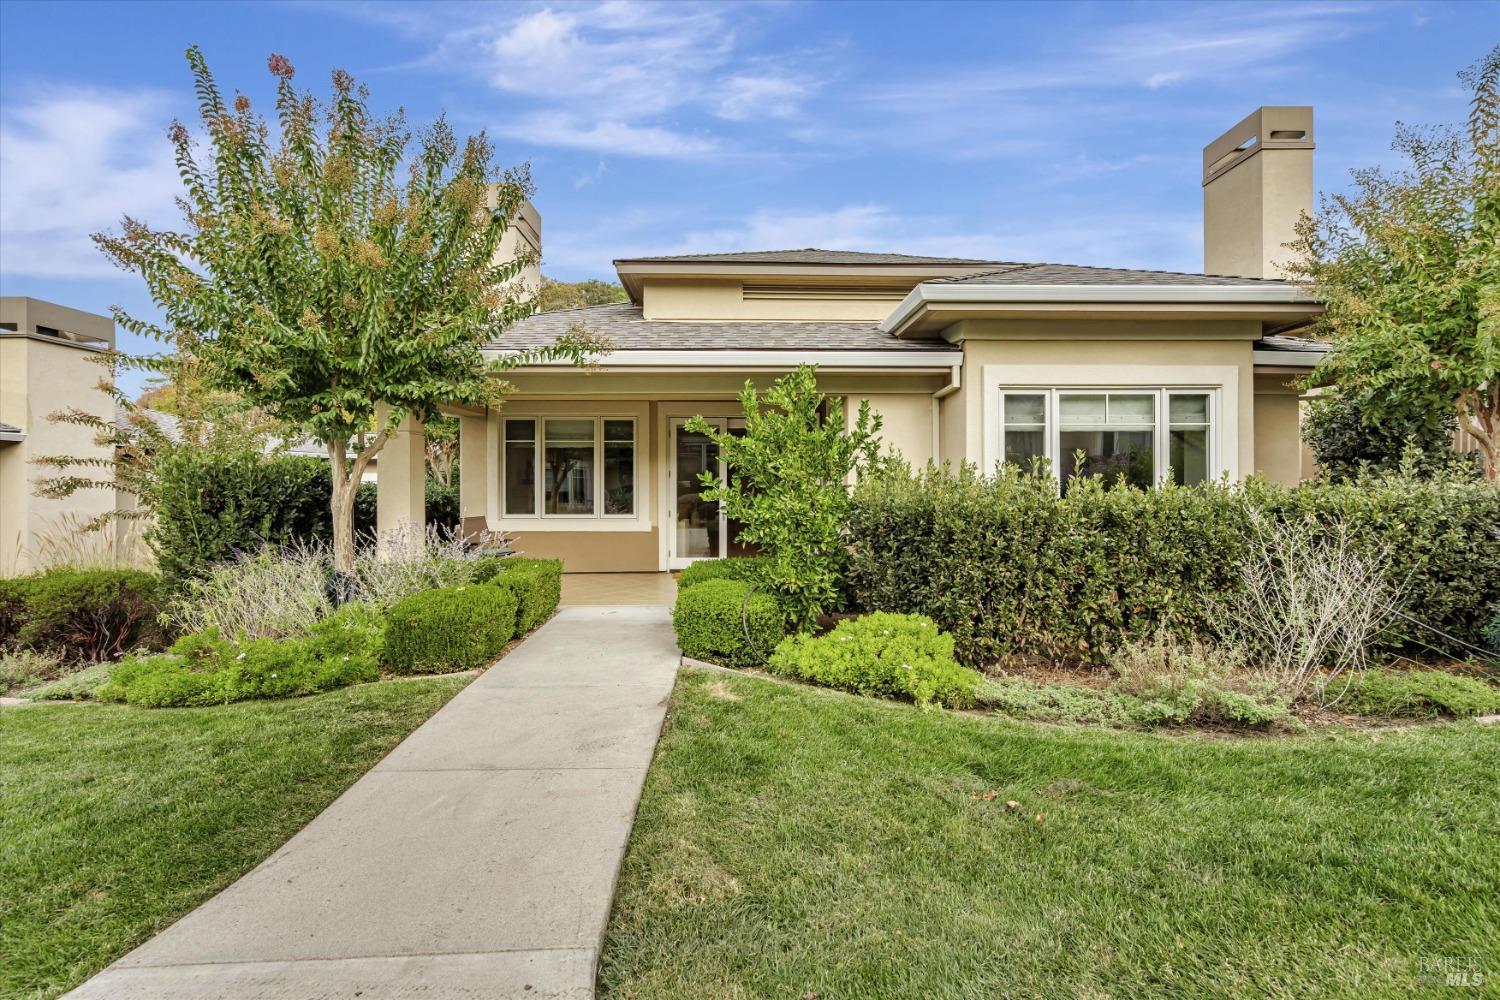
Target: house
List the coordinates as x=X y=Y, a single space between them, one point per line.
x=48 y=362
x=1151 y=373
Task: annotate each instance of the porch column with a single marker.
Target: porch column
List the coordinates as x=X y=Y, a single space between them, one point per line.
x=401 y=486
x=473 y=473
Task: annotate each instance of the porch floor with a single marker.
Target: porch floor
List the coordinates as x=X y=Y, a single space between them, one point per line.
x=619 y=589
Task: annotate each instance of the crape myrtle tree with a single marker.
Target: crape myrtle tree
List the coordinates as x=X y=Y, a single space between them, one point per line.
x=1408 y=265
x=332 y=268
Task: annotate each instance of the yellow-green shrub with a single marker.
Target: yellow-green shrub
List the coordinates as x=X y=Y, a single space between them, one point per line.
x=882 y=654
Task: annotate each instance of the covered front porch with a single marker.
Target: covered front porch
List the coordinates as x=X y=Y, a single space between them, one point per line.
x=598 y=469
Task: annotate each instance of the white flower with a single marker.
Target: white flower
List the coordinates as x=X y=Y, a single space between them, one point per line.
x=240 y=657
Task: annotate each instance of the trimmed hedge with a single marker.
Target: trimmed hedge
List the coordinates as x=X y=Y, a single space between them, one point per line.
x=746 y=568
x=1009 y=568
x=711 y=620
x=80 y=614
x=881 y=654
x=454 y=628
x=536 y=584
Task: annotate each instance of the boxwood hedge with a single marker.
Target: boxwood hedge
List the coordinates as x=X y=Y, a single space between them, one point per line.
x=453 y=628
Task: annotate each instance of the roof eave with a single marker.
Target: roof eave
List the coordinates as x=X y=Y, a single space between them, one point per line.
x=1258 y=300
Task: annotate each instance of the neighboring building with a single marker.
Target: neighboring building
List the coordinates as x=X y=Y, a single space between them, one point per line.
x=967 y=361
x=48 y=362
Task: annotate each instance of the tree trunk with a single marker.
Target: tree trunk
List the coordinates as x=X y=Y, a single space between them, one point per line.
x=1479 y=415
x=341 y=501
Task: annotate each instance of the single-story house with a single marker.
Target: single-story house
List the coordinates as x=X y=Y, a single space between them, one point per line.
x=1157 y=374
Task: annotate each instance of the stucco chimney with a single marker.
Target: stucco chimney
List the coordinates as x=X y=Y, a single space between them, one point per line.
x=1257 y=181
x=524 y=234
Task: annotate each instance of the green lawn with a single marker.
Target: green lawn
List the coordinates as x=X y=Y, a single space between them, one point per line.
x=796 y=842
x=116 y=821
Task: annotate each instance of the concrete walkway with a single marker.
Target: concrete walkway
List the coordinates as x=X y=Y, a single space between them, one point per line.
x=477 y=860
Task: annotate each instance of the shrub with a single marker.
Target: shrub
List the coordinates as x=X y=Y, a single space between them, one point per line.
x=24 y=668
x=788 y=486
x=415 y=560
x=79 y=686
x=206 y=669
x=456 y=628
x=211 y=506
x=1174 y=680
x=746 y=568
x=1348 y=446
x=86 y=615
x=1009 y=568
x=276 y=593
x=727 y=621
x=537 y=586
x=1020 y=698
x=882 y=654
x=353 y=637
x=1419 y=694
x=1492 y=631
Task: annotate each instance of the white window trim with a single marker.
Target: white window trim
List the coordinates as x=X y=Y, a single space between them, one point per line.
x=539 y=445
x=1160 y=427
x=1221 y=381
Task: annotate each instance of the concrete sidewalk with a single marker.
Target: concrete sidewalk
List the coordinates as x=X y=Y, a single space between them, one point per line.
x=477 y=860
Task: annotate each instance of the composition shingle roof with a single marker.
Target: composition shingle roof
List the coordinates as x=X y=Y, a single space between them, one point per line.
x=1077 y=274
x=623 y=325
x=808 y=255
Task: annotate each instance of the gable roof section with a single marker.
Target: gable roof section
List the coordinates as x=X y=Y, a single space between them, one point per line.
x=623 y=325
x=808 y=255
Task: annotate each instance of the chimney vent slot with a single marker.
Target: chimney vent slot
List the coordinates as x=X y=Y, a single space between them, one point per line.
x=1283 y=135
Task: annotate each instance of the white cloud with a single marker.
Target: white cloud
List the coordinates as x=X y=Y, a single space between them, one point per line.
x=558 y=128
x=749 y=96
x=71 y=163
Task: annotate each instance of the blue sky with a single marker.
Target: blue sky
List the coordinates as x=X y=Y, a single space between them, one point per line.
x=1052 y=132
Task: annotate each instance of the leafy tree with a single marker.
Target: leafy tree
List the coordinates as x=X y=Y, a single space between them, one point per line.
x=313 y=281
x=1347 y=445
x=789 y=482
x=1408 y=265
x=577 y=294
x=442 y=449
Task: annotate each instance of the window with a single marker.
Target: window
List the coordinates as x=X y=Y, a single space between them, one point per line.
x=580 y=461
x=1144 y=435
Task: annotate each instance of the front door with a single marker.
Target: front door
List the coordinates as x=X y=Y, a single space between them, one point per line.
x=696 y=526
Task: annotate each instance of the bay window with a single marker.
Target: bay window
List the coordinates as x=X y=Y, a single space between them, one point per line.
x=1144 y=435
x=568 y=467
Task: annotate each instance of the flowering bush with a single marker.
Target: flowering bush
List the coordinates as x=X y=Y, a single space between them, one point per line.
x=889 y=655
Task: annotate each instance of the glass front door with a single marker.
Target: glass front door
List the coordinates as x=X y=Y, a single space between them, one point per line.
x=698 y=529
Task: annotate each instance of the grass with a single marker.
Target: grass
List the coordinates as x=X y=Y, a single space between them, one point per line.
x=796 y=842
x=116 y=821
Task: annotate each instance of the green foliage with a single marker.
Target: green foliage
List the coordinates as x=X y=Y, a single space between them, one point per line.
x=1010 y=568
x=81 y=685
x=80 y=614
x=727 y=621
x=440 y=502
x=24 y=668
x=881 y=654
x=1407 y=265
x=536 y=584
x=454 y=628
x=556 y=294
x=331 y=269
x=1175 y=681
x=746 y=568
x=353 y=636
x=1492 y=630
x=788 y=485
x=206 y=669
x=1419 y=694
x=213 y=506
x=1021 y=698
x=1348 y=446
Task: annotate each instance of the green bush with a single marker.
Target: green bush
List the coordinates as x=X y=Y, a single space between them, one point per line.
x=24 y=668
x=712 y=620
x=1020 y=698
x=82 y=614
x=353 y=638
x=1348 y=446
x=79 y=686
x=536 y=584
x=206 y=669
x=1492 y=631
x=1189 y=680
x=1422 y=694
x=881 y=654
x=1010 y=568
x=746 y=568
x=454 y=628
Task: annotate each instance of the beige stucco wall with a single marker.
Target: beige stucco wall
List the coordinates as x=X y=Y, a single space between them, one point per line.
x=906 y=423
x=701 y=299
x=1118 y=352
x=1278 y=443
x=37 y=378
